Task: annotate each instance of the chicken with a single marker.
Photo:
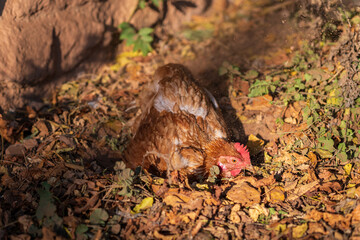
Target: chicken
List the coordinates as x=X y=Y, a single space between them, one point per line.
x=181 y=129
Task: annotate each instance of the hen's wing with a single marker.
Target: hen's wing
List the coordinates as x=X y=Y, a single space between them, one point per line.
x=177 y=92
x=177 y=120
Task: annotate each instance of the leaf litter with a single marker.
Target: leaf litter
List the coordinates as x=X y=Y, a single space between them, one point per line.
x=61 y=175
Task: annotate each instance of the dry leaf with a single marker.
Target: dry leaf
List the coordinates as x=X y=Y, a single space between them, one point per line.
x=315 y=227
x=356 y=215
x=256 y=210
x=337 y=220
x=255 y=145
x=276 y=195
x=244 y=194
x=234 y=216
x=299 y=231
x=301 y=190
x=261 y=103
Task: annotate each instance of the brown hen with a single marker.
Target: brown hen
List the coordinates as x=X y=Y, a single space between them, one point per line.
x=180 y=128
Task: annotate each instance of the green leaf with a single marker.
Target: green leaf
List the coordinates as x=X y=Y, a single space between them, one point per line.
x=128 y=34
x=327 y=144
x=251 y=74
x=147 y=38
x=81 y=229
x=341 y=147
x=145 y=31
x=156 y=2
x=99 y=216
x=342 y=156
x=46 y=206
x=142 y=4
x=222 y=71
x=124 y=26
x=307 y=77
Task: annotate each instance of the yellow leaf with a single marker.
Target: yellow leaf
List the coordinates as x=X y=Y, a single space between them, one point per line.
x=279 y=228
x=277 y=194
x=267 y=158
x=202 y=186
x=347 y=168
x=125 y=58
x=158 y=180
x=255 y=145
x=299 y=231
x=324 y=153
x=145 y=204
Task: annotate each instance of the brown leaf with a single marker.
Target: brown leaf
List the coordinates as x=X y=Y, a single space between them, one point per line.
x=15 y=150
x=356 y=215
x=301 y=190
x=244 y=194
x=337 y=220
x=30 y=143
x=25 y=221
x=164 y=237
x=89 y=204
x=234 y=216
x=264 y=182
x=276 y=195
x=314 y=215
x=261 y=103
x=330 y=187
x=315 y=227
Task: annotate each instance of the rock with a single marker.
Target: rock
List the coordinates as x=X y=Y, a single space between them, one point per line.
x=42 y=40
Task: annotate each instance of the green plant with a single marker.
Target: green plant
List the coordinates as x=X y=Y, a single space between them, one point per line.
x=141 y=40
x=124 y=179
x=261 y=87
x=142 y=3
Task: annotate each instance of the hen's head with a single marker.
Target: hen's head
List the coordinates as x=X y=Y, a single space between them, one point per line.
x=230 y=157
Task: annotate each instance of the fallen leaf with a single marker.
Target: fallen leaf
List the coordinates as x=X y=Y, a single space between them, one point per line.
x=234 y=216
x=99 y=216
x=256 y=210
x=146 y=203
x=264 y=182
x=261 y=103
x=347 y=168
x=276 y=195
x=15 y=150
x=255 y=145
x=356 y=215
x=337 y=220
x=279 y=227
x=244 y=194
x=164 y=237
x=301 y=190
x=300 y=230
x=315 y=227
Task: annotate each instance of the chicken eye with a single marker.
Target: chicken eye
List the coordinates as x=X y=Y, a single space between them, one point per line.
x=234 y=160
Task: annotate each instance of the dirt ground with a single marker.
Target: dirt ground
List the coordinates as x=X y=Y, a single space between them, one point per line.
x=286 y=77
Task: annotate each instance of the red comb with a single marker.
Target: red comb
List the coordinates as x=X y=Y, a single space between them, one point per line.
x=242 y=149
